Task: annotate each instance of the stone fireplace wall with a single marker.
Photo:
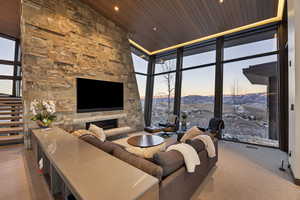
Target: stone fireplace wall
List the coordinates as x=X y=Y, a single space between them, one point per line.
x=65 y=39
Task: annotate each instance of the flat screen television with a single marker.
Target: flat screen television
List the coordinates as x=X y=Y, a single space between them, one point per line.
x=95 y=95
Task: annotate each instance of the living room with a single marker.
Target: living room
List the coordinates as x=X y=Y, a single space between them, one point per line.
x=160 y=99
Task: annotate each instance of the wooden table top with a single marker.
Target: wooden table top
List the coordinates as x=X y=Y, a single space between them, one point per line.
x=145 y=141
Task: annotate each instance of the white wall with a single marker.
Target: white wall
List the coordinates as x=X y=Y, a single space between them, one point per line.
x=294 y=84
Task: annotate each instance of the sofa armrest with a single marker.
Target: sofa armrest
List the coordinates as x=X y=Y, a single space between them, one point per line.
x=106 y=146
x=118 y=131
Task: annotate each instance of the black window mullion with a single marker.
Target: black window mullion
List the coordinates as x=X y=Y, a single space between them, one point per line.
x=178 y=81
x=162 y=73
x=251 y=57
x=149 y=91
x=17 y=43
x=199 y=66
x=140 y=73
x=218 y=105
x=283 y=104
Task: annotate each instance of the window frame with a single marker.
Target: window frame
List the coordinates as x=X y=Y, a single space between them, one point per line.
x=280 y=52
x=15 y=63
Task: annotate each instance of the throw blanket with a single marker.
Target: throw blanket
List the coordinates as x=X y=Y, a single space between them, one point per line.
x=210 y=147
x=190 y=155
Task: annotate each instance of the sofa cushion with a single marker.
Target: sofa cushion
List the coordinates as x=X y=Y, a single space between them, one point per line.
x=192 y=132
x=109 y=147
x=98 y=132
x=198 y=145
x=170 y=161
x=146 y=152
x=118 y=131
x=106 y=146
x=138 y=162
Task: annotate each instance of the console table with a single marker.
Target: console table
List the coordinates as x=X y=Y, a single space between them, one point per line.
x=75 y=168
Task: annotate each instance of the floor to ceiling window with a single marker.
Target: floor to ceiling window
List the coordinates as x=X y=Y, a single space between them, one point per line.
x=249 y=79
x=141 y=82
x=250 y=91
x=163 y=98
x=198 y=85
x=7 y=50
x=164 y=89
x=140 y=67
x=197 y=95
x=6 y=87
x=7 y=57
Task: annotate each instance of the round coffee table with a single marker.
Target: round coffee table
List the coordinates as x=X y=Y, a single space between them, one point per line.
x=145 y=141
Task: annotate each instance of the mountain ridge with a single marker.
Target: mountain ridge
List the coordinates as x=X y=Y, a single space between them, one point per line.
x=228 y=99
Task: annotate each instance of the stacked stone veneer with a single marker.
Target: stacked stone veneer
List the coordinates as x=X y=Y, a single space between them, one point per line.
x=65 y=39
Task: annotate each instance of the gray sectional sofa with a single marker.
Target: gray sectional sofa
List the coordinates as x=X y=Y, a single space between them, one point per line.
x=175 y=182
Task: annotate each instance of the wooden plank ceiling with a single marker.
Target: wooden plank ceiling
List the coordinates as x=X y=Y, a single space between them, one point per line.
x=178 y=21
x=10 y=17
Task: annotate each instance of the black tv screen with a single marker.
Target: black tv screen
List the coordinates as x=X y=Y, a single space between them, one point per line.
x=95 y=95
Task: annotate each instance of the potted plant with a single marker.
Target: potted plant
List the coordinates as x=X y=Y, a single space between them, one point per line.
x=43 y=112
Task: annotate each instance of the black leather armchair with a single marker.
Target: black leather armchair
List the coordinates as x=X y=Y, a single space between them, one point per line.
x=172 y=124
x=215 y=126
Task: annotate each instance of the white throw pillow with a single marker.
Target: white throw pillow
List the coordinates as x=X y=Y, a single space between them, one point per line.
x=192 y=132
x=98 y=132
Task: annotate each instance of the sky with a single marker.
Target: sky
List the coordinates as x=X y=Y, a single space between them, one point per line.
x=7 y=50
x=201 y=81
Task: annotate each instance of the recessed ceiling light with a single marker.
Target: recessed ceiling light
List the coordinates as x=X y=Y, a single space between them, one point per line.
x=116 y=8
x=154 y=28
x=221 y=1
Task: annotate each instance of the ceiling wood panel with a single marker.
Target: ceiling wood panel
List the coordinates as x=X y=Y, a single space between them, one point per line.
x=10 y=17
x=179 y=21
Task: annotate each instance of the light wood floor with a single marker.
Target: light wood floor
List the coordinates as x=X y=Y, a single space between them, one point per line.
x=248 y=174
x=13 y=181
x=241 y=174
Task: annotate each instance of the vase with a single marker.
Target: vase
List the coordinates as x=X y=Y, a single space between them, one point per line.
x=183 y=125
x=42 y=124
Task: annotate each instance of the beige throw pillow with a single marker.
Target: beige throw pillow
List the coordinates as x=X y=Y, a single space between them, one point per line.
x=192 y=132
x=99 y=133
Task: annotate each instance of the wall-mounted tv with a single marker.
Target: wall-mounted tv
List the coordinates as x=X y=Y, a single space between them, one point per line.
x=95 y=95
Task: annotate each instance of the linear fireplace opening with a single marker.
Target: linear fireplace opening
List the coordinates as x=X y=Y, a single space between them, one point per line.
x=105 y=124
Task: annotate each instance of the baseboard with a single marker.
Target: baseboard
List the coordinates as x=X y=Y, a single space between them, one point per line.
x=296 y=181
